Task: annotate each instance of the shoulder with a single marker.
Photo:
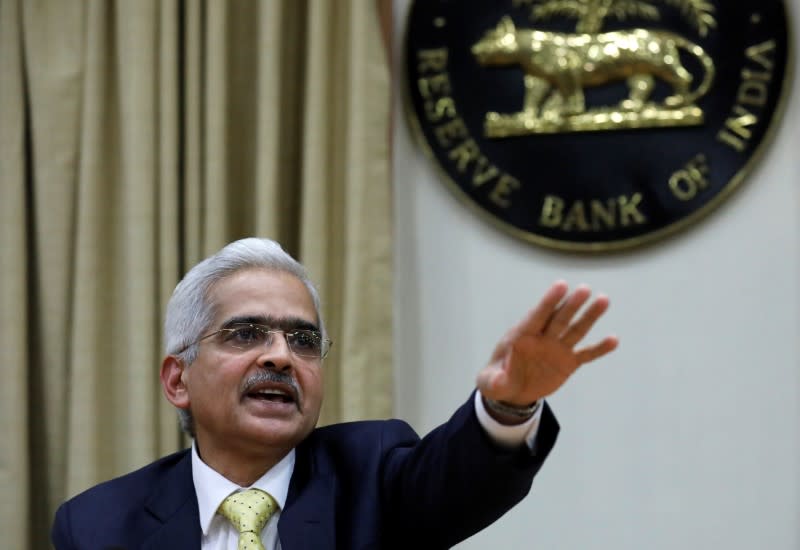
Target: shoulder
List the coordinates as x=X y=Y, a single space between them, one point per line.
x=137 y=483
x=120 y=501
x=381 y=436
x=364 y=427
x=359 y=446
x=365 y=434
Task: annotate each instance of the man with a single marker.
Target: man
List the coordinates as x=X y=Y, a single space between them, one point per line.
x=245 y=342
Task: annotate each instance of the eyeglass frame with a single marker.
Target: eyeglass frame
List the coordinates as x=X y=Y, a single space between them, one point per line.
x=325 y=343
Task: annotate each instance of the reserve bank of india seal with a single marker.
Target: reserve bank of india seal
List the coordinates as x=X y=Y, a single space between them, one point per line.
x=594 y=124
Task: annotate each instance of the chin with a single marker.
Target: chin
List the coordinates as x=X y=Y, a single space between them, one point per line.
x=278 y=433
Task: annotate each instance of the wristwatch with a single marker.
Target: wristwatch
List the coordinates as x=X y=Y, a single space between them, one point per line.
x=501 y=407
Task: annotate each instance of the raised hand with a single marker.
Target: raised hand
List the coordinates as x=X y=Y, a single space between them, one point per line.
x=537 y=355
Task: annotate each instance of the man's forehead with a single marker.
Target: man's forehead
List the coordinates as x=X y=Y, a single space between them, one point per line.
x=264 y=296
x=272 y=321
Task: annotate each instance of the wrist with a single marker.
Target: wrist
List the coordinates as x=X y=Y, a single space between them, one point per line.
x=507 y=413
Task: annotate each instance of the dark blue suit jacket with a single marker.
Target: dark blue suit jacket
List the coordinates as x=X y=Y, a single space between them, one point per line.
x=355 y=486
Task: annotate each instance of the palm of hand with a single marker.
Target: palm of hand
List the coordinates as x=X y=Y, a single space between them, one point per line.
x=539 y=354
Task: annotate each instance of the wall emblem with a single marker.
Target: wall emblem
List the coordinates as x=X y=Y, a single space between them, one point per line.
x=594 y=124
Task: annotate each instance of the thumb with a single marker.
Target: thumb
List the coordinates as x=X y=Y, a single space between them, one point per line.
x=492 y=380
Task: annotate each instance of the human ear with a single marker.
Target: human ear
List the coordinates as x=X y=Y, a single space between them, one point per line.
x=172 y=382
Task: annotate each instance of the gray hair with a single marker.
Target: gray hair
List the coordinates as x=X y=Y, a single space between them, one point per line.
x=189 y=312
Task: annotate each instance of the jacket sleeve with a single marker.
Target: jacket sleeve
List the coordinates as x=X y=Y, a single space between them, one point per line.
x=455 y=481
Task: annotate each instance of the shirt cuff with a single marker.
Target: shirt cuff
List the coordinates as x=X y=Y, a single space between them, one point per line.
x=504 y=435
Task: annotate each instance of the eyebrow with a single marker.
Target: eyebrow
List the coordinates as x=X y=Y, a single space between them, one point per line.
x=282 y=323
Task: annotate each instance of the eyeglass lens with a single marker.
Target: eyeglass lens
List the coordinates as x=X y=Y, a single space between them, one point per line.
x=306 y=343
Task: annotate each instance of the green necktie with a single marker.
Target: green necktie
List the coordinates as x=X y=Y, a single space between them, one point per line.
x=249 y=512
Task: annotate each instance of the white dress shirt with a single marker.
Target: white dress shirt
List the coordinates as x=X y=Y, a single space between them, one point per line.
x=212 y=488
x=509 y=436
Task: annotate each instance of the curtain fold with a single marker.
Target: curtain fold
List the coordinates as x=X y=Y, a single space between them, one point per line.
x=137 y=137
x=348 y=241
x=15 y=420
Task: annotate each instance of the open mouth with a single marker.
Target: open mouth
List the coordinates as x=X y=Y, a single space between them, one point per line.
x=273 y=395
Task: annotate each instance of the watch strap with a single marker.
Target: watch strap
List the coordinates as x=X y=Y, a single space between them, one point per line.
x=501 y=407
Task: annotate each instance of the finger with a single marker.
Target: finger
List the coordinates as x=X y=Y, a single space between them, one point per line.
x=590 y=353
x=563 y=315
x=581 y=327
x=536 y=320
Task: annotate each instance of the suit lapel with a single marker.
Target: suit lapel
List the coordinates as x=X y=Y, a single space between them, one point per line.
x=174 y=505
x=307 y=522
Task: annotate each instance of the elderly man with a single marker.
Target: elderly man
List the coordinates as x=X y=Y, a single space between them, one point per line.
x=245 y=344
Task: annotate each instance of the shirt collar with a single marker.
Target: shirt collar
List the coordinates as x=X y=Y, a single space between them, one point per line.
x=212 y=488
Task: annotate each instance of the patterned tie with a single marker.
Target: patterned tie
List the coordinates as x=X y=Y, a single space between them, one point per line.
x=249 y=512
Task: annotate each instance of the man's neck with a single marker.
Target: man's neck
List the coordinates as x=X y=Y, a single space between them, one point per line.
x=242 y=468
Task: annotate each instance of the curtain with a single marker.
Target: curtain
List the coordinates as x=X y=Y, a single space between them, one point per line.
x=136 y=138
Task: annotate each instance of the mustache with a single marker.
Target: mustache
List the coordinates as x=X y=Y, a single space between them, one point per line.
x=271 y=376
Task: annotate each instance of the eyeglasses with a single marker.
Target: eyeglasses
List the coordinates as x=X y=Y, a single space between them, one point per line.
x=246 y=337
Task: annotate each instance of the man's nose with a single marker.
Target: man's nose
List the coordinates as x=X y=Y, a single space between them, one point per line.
x=275 y=353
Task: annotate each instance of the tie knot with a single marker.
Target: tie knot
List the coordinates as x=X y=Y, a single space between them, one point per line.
x=248 y=510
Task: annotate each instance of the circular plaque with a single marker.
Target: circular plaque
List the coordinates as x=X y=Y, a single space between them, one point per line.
x=592 y=126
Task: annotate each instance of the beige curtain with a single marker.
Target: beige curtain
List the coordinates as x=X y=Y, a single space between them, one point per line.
x=136 y=137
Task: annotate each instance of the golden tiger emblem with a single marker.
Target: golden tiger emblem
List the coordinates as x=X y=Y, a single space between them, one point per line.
x=559 y=66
